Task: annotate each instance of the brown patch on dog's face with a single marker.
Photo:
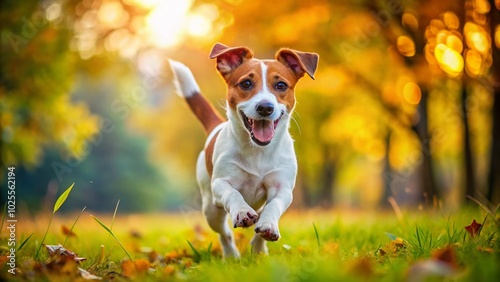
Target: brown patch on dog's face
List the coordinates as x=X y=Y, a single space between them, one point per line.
x=280 y=81
x=250 y=71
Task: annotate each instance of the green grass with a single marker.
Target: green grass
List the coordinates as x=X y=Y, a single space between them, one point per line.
x=316 y=245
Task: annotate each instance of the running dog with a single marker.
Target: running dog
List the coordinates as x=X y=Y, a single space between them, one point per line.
x=248 y=166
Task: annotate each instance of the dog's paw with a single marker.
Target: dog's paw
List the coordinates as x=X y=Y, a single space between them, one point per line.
x=245 y=218
x=267 y=231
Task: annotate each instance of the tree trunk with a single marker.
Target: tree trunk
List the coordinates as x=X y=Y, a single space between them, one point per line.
x=305 y=191
x=470 y=188
x=494 y=173
x=430 y=193
x=325 y=195
x=387 y=172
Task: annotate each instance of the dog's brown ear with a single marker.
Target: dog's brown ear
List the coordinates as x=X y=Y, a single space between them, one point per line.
x=299 y=62
x=229 y=58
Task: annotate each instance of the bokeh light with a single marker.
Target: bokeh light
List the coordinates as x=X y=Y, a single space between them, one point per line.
x=449 y=60
x=406 y=46
x=412 y=93
x=164 y=22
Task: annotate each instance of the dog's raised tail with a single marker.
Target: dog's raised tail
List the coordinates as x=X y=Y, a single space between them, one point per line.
x=188 y=88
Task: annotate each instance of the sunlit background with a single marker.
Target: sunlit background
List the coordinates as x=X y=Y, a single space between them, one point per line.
x=402 y=109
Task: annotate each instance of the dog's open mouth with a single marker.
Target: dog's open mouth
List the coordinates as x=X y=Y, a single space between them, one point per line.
x=261 y=130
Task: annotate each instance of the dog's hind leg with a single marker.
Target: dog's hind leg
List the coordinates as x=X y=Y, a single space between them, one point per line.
x=259 y=245
x=216 y=217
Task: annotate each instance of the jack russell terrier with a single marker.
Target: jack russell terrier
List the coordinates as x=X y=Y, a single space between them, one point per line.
x=248 y=166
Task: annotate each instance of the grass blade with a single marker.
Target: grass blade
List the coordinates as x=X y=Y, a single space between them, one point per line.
x=102 y=224
x=114 y=215
x=24 y=242
x=43 y=239
x=485 y=208
x=113 y=221
x=317 y=235
x=57 y=205
x=113 y=235
x=209 y=250
x=74 y=223
x=62 y=198
x=197 y=255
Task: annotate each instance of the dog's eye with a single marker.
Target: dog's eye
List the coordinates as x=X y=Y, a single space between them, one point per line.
x=281 y=86
x=246 y=84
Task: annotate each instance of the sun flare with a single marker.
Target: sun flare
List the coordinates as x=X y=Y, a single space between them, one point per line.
x=170 y=21
x=165 y=20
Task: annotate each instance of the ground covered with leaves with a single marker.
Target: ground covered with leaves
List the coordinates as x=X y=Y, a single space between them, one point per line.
x=316 y=245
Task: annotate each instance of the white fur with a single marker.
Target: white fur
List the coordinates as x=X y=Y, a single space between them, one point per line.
x=214 y=131
x=184 y=81
x=247 y=180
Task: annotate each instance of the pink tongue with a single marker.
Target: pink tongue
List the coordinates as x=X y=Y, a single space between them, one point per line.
x=263 y=130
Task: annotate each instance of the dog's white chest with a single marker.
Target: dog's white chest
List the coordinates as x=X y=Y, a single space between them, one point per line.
x=253 y=191
x=252 y=172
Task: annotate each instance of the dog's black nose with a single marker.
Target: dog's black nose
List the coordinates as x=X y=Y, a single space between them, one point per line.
x=265 y=109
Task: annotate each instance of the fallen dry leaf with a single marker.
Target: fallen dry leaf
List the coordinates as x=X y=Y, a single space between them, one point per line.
x=87 y=275
x=169 y=270
x=362 y=266
x=473 y=229
x=60 y=265
x=64 y=266
x=175 y=256
x=67 y=231
x=134 y=268
x=59 y=250
x=142 y=265
x=172 y=256
x=330 y=248
x=393 y=247
x=128 y=268
x=154 y=256
x=443 y=263
x=134 y=233
x=446 y=255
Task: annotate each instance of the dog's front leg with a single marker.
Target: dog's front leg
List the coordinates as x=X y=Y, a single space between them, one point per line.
x=224 y=195
x=279 y=199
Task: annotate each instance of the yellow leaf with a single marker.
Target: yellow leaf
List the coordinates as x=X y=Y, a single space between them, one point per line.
x=62 y=198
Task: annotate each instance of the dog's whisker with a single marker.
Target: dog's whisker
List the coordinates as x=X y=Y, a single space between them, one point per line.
x=296 y=123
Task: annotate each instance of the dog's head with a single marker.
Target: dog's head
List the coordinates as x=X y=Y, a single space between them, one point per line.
x=260 y=94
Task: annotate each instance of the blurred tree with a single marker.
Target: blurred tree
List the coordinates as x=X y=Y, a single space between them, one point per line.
x=55 y=135
x=37 y=73
x=408 y=37
x=114 y=165
x=431 y=30
x=477 y=60
x=493 y=194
